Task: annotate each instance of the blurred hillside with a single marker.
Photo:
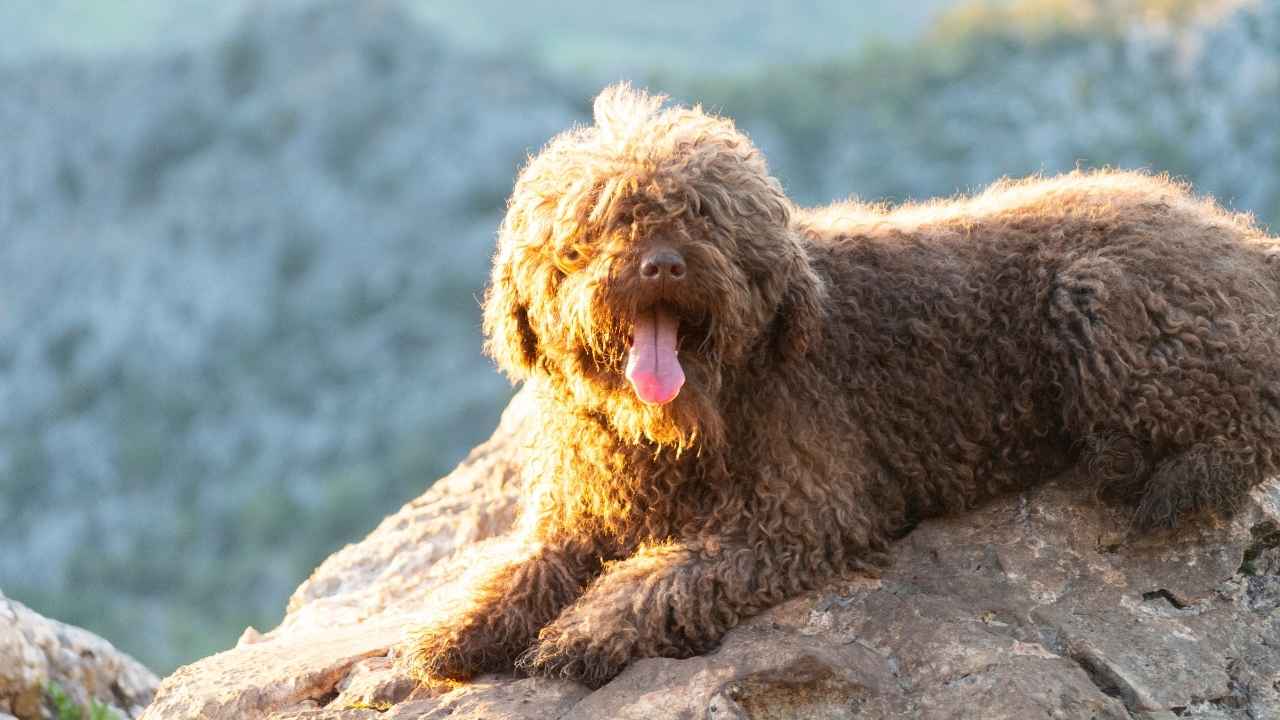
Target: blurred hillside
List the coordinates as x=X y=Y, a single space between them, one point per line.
x=710 y=36
x=1187 y=88
x=238 y=321
x=238 y=274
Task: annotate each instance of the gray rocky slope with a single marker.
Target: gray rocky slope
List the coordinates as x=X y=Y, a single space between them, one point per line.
x=1038 y=605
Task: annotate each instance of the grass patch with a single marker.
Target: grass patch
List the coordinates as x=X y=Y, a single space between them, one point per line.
x=66 y=708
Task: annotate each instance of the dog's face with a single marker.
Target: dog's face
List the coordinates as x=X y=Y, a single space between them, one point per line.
x=639 y=260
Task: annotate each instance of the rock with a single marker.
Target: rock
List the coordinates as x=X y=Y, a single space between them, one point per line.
x=35 y=651
x=1037 y=605
x=357 y=604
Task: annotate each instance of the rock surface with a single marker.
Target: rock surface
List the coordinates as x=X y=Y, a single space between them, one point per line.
x=35 y=651
x=1037 y=605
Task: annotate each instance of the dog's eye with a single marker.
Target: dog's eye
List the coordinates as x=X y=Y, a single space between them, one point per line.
x=569 y=260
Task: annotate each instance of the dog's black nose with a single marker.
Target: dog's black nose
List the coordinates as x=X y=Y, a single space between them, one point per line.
x=662 y=263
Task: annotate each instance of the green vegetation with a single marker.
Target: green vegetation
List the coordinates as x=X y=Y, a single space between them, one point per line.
x=711 y=37
x=1042 y=19
x=1173 y=86
x=65 y=708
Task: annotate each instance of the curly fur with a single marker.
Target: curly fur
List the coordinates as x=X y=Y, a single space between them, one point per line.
x=851 y=369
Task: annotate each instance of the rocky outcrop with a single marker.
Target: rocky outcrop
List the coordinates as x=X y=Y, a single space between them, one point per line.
x=36 y=651
x=1037 y=605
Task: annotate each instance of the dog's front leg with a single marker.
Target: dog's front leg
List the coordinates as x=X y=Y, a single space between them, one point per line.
x=501 y=614
x=669 y=600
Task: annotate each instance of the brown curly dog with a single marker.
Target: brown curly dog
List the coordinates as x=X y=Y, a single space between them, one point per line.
x=742 y=399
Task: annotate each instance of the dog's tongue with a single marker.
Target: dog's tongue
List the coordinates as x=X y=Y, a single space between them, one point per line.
x=652 y=367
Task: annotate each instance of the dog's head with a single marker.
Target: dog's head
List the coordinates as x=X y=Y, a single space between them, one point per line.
x=641 y=260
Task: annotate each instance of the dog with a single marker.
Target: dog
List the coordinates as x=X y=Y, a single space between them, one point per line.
x=741 y=399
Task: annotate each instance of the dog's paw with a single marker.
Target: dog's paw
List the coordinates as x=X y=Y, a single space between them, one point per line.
x=561 y=652
x=452 y=652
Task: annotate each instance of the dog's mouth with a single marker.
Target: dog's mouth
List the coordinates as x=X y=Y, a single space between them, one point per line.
x=653 y=362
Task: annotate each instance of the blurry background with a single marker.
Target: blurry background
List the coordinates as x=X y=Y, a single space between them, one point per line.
x=241 y=243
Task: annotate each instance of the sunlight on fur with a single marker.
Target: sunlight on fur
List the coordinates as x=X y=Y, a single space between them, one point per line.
x=741 y=399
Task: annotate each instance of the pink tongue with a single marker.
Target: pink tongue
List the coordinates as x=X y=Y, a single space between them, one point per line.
x=652 y=367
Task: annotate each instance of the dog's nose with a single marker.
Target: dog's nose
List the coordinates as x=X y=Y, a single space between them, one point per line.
x=662 y=263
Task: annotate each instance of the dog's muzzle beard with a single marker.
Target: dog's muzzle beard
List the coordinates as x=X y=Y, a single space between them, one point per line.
x=691 y=421
x=606 y=338
x=669 y=390
x=591 y=374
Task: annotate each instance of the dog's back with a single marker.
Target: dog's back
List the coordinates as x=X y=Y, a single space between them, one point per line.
x=1111 y=316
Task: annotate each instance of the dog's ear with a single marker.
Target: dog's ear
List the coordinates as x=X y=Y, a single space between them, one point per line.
x=801 y=312
x=509 y=338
